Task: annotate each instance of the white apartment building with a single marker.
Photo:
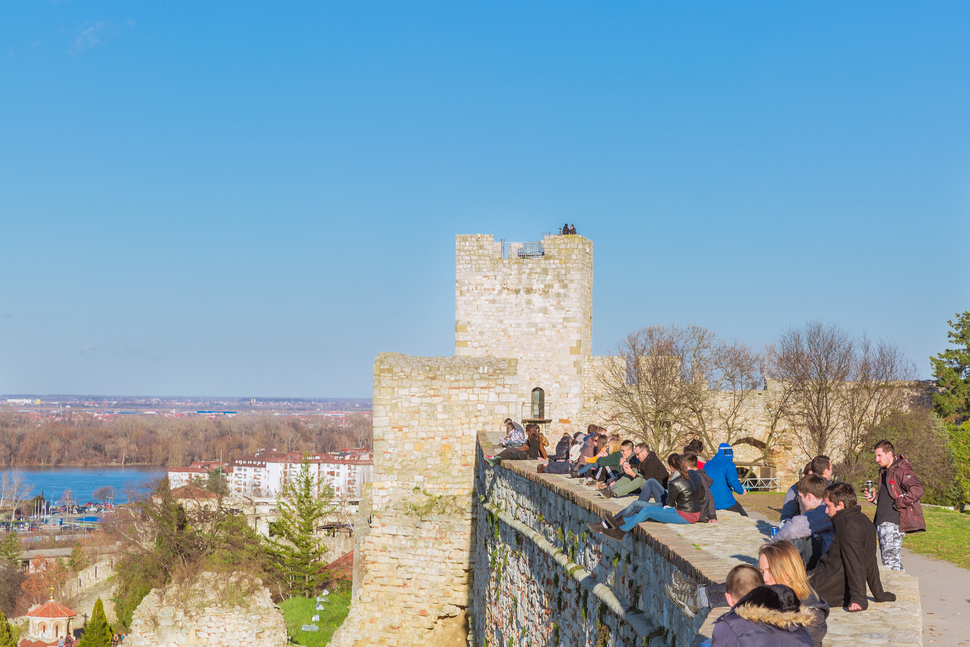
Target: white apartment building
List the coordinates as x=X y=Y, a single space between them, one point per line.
x=262 y=474
x=179 y=476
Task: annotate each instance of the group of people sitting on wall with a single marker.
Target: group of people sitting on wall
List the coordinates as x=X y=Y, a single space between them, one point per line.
x=568 y=229
x=823 y=556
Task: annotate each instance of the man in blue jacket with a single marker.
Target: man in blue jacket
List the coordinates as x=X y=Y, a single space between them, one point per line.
x=723 y=472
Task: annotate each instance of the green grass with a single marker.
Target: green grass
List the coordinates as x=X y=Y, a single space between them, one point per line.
x=299 y=610
x=947 y=536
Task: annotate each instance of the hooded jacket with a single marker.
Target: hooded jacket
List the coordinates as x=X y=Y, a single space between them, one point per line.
x=906 y=491
x=768 y=616
x=723 y=472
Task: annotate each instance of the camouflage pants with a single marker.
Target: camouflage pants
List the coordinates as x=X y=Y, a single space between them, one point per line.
x=890 y=543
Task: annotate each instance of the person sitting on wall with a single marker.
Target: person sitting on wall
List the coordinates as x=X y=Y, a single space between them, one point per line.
x=779 y=563
x=695 y=447
x=587 y=451
x=565 y=229
x=722 y=470
x=685 y=496
x=572 y=229
x=812 y=532
x=627 y=461
x=819 y=466
x=601 y=449
x=558 y=465
x=843 y=573
x=710 y=509
x=515 y=434
x=648 y=468
x=533 y=448
x=601 y=470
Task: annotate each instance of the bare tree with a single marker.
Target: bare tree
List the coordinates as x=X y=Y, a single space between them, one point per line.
x=834 y=388
x=666 y=384
x=882 y=381
x=104 y=493
x=14 y=490
x=813 y=363
x=67 y=500
x=363 y=430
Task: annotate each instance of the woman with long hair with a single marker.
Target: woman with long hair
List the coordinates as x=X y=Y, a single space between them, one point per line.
x=685 y=501
x=779 y=563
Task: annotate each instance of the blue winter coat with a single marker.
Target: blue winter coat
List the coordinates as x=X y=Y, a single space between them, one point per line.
x=722 y=471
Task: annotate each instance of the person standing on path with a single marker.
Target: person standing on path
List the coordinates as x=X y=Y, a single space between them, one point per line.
x=898 y=510
x=724 y=473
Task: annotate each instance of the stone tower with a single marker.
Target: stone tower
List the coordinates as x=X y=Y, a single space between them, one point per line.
x=532 y=302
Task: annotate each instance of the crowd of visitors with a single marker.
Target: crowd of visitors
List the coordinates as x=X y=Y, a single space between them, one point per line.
x=824 y=553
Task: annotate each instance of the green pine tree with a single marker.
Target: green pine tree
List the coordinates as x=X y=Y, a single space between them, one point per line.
x=97 y=633
x=296 y=550
x=7 y=638
x=951 y=368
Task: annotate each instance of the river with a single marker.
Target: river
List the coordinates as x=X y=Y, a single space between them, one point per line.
x=83 y=481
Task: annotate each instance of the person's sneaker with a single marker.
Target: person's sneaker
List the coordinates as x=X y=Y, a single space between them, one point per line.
x=607 y=492
x=595 y=527
x=491 y=460
x=616 y=534
x=683 y=593
x=541 y=468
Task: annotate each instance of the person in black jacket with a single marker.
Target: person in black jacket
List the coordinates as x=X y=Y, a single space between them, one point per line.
x=842 y=574
x=648 y=467
x=685 y=494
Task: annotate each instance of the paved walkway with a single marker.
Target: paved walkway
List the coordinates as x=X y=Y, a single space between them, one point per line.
x=945 y=593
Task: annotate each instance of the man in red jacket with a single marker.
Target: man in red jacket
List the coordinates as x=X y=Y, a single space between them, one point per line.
x=897 y=498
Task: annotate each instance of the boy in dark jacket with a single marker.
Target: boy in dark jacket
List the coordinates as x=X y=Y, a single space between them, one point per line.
x=648 y=467
x=842 y=574
x=762 y=616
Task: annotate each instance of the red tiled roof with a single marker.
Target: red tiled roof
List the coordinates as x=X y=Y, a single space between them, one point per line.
x=192 y=492
x=52 y=609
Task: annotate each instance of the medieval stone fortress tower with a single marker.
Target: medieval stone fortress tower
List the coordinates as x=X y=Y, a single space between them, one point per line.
x=534 y=303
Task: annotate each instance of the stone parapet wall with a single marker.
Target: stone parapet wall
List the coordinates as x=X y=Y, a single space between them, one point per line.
x=542 y=578
x=413 y=555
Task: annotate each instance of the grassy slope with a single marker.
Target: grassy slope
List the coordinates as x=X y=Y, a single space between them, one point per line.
x=299 y=610
x=947 y=536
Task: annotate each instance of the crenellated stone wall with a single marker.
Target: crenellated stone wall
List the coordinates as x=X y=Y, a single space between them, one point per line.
x=414 y=555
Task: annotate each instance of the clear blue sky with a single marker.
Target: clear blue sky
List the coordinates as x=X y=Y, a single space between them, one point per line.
x=255 y=199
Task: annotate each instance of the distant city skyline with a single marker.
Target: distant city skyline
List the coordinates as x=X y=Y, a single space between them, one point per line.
x=248 y=198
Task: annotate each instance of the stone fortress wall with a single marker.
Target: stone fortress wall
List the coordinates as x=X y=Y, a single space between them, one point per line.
x=413 y=559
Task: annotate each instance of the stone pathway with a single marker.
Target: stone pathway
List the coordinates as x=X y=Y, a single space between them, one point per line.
x=945 y=591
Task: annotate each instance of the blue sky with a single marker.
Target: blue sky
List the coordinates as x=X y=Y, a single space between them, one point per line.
x=254 y=199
